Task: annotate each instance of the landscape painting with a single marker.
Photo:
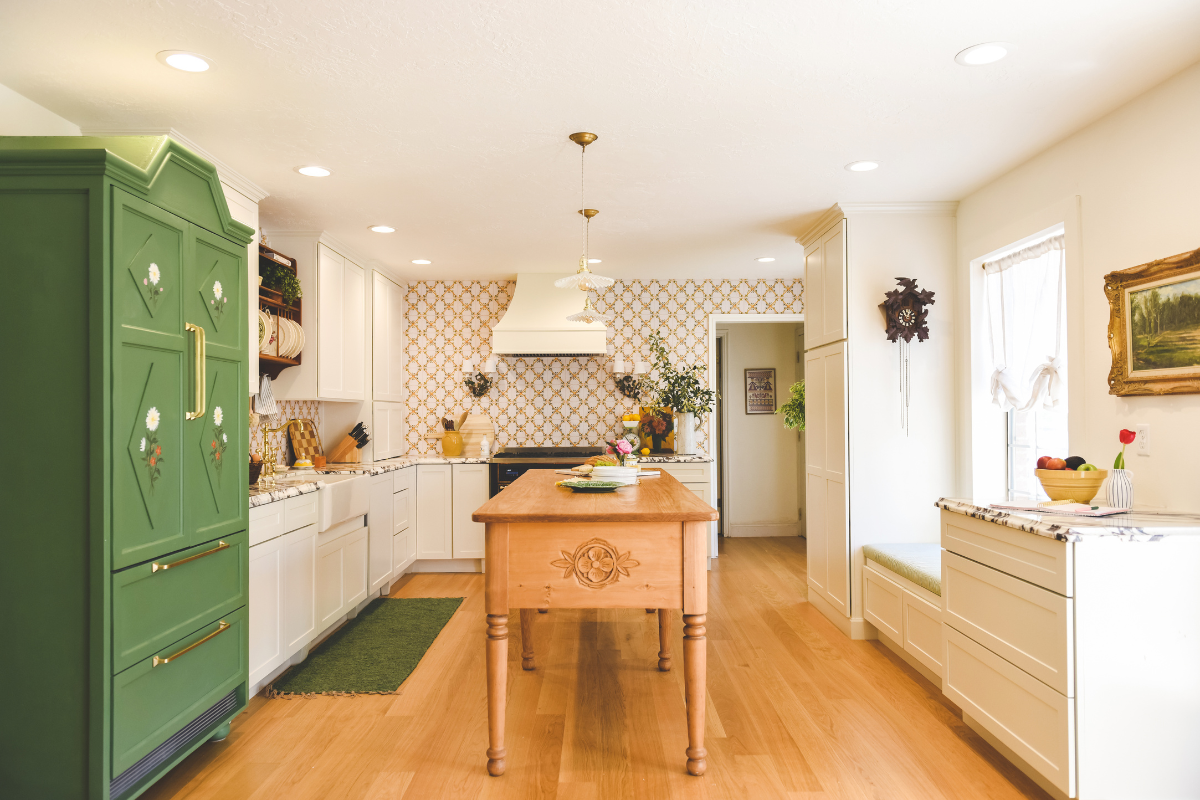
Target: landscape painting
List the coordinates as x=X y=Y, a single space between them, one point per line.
x=1165 y=326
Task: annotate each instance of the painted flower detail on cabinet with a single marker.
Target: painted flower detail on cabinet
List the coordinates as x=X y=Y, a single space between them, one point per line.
x=150 y=448
x=154 y=274
x=218 y=302
x=220 y=441
x=595 y=564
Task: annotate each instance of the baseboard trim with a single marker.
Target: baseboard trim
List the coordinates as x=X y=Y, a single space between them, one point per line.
x=447 y=565
x=1016 y=760
x=763 y=529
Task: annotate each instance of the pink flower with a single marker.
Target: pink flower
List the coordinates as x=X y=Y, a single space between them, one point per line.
x=624 y=447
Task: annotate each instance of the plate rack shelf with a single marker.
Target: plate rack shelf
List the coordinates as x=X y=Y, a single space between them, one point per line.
x=271 y=301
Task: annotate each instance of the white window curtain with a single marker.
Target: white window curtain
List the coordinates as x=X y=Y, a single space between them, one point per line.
x=1025 y=302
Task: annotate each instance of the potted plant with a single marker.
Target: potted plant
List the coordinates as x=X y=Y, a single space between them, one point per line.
x=793 y=410
x=682 y=391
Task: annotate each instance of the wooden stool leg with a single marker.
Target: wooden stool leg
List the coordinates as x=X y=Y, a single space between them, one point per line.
x=694 y=675
x=497 y=683
x=527 y=639
x=664 y=639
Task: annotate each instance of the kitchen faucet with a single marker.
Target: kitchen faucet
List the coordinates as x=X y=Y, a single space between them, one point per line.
x=269 y=452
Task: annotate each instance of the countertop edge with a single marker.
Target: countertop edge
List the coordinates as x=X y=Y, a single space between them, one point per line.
x=1078 y=529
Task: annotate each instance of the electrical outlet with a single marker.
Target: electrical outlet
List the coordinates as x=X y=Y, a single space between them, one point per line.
x=1143 y=440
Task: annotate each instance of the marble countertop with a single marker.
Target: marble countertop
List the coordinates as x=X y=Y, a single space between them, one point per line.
x=1139 y=525
x=260 y=496
x=696 y=458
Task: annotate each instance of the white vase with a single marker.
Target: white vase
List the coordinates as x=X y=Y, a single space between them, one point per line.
x=1120 y=488
x=685 y=433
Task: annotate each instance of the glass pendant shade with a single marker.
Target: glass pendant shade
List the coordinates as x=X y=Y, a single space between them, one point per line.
x=584 y=279
x=589 y=314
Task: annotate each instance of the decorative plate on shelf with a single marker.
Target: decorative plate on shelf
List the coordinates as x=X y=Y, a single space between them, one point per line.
x=593 y=486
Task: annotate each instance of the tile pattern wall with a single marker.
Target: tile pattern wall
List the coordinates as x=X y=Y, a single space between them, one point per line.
x=561 y=401
x=288 y=409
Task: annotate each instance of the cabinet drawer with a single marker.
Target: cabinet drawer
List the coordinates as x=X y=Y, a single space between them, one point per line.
x=152 y=607
x=403 y=479
x=1033 y=558
x=401 y=511
x=266 y=522
x=1033 y=720
x=400 y=550
x=299 y=511
x=684 y=473
x=1025 y=624
x=883 y=605
x=923 y=632
x=150 y=703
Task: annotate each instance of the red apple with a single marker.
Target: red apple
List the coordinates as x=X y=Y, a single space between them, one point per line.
x=1056 y=463
x=1043 y=461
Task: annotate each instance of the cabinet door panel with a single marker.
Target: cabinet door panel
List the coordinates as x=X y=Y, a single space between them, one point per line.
x=814 y=288
x=266 y=608
x=833 y=293
x=434 y=512
x=837 y=545
x=818 y=566
x=401 y=512
x=329 y=583
x=148 y=263
x=354 y=566
x=381 y=529
x=387 y=341
x=470 y=486
x=354 y=347
x=299 y=588
x=331 y=277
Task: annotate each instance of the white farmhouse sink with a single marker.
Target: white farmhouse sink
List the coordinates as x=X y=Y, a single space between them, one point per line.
x=341 y=498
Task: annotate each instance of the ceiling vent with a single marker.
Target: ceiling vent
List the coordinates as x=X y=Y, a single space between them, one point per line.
x=535 y=323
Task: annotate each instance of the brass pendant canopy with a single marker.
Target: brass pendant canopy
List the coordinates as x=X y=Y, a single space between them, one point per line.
x=583 y=138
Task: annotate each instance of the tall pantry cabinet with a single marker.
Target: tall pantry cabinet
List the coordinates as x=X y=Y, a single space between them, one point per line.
x=125 y=361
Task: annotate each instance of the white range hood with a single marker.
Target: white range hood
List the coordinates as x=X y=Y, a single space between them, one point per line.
x=535 y=323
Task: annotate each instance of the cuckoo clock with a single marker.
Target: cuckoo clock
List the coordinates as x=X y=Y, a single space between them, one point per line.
x=905 y=315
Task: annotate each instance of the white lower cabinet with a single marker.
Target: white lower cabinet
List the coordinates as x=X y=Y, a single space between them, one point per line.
x=435 y=511
x=696 y=477
x=469 y=488
x=341 y=576
x=404 y=535
x=282 y=600
x=381 y=527
x=299 y=588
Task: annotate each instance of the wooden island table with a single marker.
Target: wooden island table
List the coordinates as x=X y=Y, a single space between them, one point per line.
x=643 y=546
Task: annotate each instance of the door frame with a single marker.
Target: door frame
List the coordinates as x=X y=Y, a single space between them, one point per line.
x=713 y=321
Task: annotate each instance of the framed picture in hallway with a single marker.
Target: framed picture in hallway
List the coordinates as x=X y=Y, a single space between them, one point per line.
x=760 y=391
x=1154 y=327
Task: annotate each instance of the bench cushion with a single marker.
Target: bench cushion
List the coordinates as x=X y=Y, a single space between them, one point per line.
x=920 y=562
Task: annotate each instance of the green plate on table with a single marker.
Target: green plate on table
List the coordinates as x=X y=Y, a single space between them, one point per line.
x=592 y=486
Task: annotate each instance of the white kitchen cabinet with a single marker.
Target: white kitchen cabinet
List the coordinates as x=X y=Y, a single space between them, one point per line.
x=404 y=534
x=334 y=362
x=266 y=608
x=825 y=287
x=469 y=486
x=341 y=576
x=435 y=511
x=387 y=342
x=825 y=475
x=380 y=531
x=696 y=477
x=299 y=588
x=388 y=431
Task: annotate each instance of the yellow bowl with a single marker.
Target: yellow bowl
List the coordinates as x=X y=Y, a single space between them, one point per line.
x=1066 y=484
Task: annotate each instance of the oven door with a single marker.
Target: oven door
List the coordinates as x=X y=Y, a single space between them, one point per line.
x=502 y=474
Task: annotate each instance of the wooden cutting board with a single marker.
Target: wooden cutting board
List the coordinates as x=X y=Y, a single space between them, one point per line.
x=306 y=443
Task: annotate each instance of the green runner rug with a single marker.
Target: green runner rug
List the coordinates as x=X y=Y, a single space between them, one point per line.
x=374 y=652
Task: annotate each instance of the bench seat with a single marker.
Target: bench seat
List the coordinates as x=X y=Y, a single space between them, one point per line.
x=902 y=598
x=920 y=562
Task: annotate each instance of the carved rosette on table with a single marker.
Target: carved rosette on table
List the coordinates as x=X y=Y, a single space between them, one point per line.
x=595 y=564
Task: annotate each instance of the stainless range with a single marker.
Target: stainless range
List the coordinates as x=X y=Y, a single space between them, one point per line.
x=510 y=463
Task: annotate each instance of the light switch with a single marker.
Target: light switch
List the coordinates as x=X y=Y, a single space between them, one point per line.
x=1143 y=440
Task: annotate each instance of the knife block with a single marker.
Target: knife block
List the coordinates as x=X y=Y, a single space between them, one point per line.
x=346 y=452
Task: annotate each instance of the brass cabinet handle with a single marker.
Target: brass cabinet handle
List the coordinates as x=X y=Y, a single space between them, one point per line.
x=224 y=626
x=201 y=371
x=155 y=567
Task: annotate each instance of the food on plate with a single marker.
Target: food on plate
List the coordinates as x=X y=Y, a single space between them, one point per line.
x=603 y=461
x=582 y=469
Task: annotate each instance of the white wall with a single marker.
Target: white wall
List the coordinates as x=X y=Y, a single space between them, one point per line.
x=1126 y=187
x=20 y=116
x=895 y=476
x=761 y=452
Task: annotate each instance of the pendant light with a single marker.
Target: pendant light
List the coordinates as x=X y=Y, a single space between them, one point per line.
x=584 y=279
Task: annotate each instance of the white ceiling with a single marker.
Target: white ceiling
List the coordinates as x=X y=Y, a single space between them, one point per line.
x=724 y=126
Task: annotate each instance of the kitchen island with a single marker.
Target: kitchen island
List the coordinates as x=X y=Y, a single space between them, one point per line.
x=641 y=546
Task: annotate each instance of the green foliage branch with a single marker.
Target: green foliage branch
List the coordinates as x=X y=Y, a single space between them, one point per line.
x=793 y=409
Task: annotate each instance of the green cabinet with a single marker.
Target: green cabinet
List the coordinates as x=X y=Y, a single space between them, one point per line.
x=124 y=359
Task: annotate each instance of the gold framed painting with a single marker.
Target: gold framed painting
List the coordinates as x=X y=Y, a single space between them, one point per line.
x=1154 y=327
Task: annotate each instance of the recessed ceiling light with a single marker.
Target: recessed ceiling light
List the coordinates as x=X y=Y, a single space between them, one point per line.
x=421 y=261
x=593 y=261
x=765 y=259
x=383 y=229
x=980 y=54
x=183 y=60
x=313 y=171
x=862 y=166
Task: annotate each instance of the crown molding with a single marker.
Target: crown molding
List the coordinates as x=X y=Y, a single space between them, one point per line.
x=822 y=223
x=226 y=173
x=937 y=208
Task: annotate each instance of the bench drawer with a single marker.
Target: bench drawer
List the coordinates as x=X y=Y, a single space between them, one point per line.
x=923 y=632
x=1033 y=558
x=1030 y=718
x=151 y=702
x=154 y=604
x=883 y=605
x=1024 y=624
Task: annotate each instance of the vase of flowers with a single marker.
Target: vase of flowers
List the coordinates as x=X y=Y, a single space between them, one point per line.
x=680 y=390
x=1120 y=480
x=623 y=450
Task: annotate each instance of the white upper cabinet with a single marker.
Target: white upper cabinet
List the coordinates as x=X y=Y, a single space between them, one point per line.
x=387 y=343
x=825 y=287
x=334 y=361
x=389 y=430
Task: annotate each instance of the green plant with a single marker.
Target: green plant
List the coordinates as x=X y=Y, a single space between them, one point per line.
x=793 y=410
x=282 y=280
x=680 y=390
x=479 y=384
x=629 y=386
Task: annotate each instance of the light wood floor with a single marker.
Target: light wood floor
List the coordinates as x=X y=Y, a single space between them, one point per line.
x=796 y=710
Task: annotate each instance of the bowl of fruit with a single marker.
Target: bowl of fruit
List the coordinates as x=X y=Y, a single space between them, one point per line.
x=1069 y=478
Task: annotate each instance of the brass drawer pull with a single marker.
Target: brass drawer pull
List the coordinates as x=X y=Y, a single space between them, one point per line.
x=155 y=567
x=224 y=626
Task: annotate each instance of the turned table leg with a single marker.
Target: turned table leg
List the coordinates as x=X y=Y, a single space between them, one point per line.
x=664 y=639
x=694 y=668
x=527 y=639
x=497 y=678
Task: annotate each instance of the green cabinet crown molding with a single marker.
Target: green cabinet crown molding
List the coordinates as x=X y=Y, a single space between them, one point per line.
x=157 y=168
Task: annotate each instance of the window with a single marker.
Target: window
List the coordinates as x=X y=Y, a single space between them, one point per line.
x=1026 y=304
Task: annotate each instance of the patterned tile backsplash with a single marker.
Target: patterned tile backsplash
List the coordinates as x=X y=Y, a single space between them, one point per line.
x=561 y=401
x=288 y=409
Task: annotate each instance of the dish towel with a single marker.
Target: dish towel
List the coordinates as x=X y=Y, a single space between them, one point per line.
x=264 y=401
